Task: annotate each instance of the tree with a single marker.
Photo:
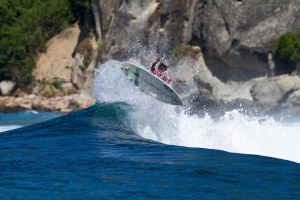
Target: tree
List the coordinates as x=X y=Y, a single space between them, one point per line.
x=25 y=27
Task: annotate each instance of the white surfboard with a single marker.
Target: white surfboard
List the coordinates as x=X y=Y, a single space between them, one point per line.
x=150 y=84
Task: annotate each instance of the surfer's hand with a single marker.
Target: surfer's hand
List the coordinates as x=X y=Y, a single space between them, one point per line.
x=157 y=58
x=180 y=81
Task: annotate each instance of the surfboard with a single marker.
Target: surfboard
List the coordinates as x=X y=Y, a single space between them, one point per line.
x=150 y=84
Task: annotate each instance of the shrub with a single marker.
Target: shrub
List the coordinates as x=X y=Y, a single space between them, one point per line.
x=57 y=83
x=100 y=45
x=49 y=90
x=287 y=48
x=85 y=48
x=179 y=50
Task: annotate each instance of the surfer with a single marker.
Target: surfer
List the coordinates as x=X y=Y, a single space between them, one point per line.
x=160 y=72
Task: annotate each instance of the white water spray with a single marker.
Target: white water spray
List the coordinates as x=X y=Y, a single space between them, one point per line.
x=7 y=128
x=234 y=132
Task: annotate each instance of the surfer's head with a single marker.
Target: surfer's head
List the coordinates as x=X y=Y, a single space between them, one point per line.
x=162 y=68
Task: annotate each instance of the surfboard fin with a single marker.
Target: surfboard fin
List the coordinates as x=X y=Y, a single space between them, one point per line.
x=124 y=68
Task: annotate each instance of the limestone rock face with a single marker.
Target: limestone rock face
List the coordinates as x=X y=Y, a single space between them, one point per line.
x=104 y=12
x=55 y=104
x=83 y=66
x=7 y=87
x=126 y=26
x=233 y=36
x=272 y=91
x=280 y=93
x=237 y=33
x=78 y=72
x=57 y=61
x=139 y=27
x=170 y=25
x=68 y=59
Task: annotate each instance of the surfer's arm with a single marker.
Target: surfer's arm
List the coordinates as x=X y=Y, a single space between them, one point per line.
x=169 y=80
x=153 y=65
x=179 y=81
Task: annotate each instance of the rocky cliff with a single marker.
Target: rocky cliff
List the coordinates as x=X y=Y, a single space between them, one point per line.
x=237 y=33
x=232 y=36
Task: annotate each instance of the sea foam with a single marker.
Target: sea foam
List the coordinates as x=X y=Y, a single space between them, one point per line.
x=233 y=132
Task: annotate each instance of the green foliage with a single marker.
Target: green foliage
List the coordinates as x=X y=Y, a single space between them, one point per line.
x=179 y=50
x=87 y=60
x=287 y=48
x=25 y=27
x=100 y=45
x=85 y=48
x=49 y=90
x=57 y=83
x=107 y=23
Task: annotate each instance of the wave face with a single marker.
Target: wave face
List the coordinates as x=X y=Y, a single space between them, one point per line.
x=234 y=132
x=95 y=153
x=117 y=149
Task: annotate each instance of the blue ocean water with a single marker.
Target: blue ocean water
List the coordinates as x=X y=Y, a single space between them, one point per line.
x=130 y=146
x=15 y=120
x=94 y=154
